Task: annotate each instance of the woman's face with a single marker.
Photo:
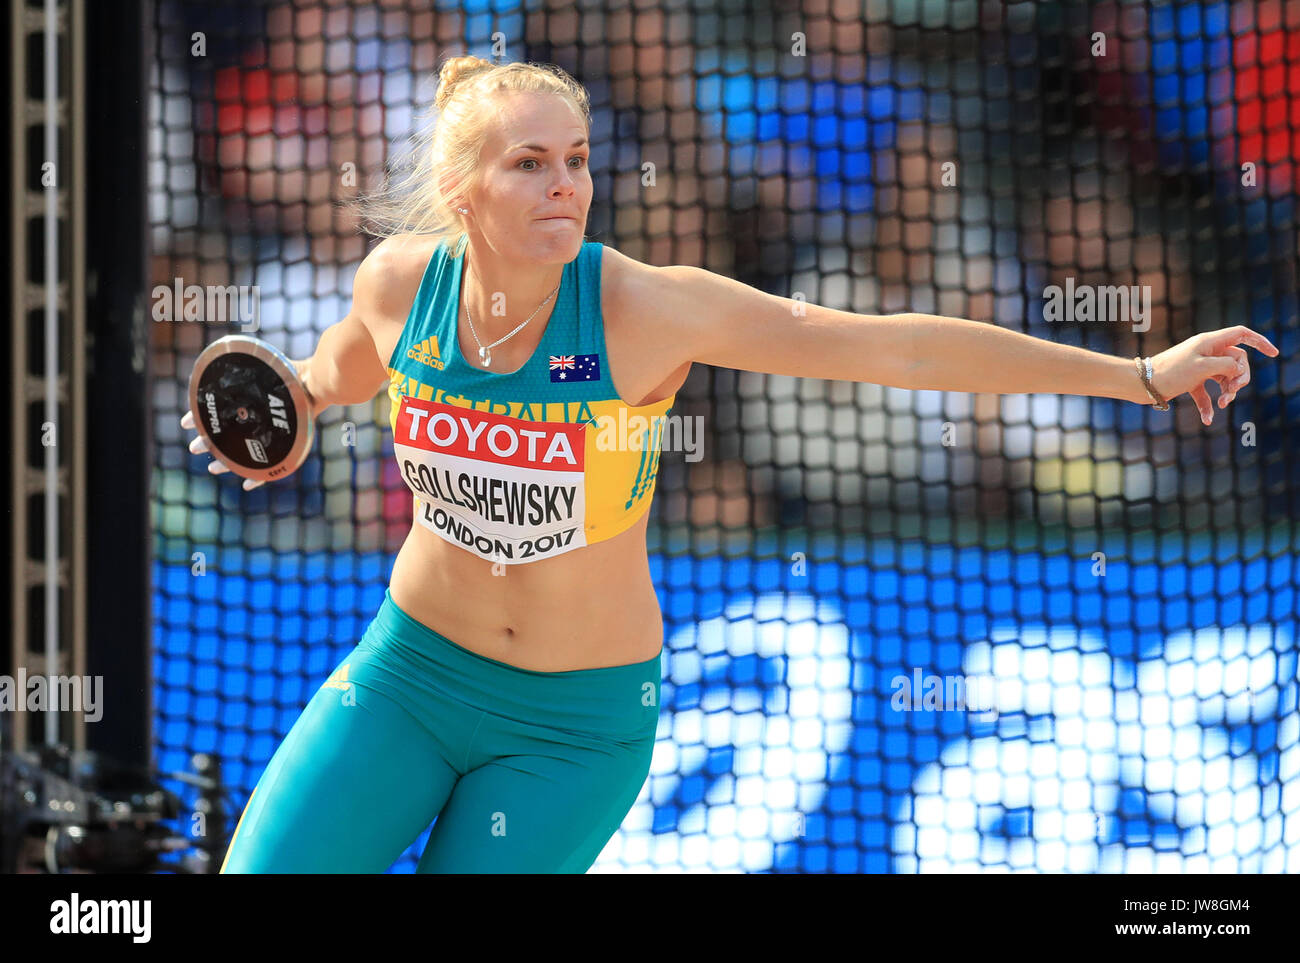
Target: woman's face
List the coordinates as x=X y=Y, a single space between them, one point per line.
x=534 y=189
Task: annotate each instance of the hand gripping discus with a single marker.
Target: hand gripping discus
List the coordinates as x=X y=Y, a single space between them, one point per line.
x=251 y=408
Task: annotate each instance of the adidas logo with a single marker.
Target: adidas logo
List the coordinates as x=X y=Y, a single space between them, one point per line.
x=339 y=680
x=426 y=353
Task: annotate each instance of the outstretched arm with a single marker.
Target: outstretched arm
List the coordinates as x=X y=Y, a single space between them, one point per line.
x=345 y=368
x=719 y=321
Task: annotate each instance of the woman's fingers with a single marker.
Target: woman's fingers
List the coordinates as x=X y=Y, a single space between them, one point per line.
x=1240 y=334
x=199 y=445
x=1238 y=353
x=216 y=468
x=1240 y=382
x=1203 y=404
x=1234 y=380
x=1220 y=367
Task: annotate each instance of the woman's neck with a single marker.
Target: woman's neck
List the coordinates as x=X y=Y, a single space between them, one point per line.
x=499 y=296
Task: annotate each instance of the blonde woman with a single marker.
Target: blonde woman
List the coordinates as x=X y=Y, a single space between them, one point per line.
x=509 y=684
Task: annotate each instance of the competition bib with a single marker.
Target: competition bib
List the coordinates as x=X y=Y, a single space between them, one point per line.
x=507 y=489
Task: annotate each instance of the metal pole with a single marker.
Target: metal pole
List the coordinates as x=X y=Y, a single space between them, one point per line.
x=52 y=359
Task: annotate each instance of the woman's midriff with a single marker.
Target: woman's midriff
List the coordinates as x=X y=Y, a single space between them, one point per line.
x=589 y=608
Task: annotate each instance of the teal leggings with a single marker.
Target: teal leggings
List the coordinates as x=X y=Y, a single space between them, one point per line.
x=525 y=772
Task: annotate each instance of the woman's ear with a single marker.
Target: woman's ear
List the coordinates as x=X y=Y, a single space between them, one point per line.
x=450 y=190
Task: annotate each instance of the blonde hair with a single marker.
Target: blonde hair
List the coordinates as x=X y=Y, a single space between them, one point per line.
x=448 y=144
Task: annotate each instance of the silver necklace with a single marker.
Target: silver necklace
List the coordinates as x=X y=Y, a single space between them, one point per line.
x=485 y=351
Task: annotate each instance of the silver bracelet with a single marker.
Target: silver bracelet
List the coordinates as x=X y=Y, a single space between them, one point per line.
x=1144 y=372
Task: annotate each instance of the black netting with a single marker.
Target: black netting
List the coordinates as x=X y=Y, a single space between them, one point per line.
x=832 y=538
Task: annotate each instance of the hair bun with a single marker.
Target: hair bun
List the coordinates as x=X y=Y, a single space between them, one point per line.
x=453 y=71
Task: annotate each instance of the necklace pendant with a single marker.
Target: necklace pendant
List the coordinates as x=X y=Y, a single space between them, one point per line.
x=485 y=356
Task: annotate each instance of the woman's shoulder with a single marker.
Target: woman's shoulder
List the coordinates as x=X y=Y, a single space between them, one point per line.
x=389 y=276
x=399 y=258
x=625 y=283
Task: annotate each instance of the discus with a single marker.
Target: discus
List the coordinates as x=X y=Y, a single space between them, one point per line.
x=251 y=408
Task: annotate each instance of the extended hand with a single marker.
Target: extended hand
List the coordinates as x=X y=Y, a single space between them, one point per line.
x=198 y=446
x=1212 y=355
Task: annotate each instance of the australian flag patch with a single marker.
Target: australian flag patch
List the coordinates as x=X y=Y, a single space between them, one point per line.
x=575 y=367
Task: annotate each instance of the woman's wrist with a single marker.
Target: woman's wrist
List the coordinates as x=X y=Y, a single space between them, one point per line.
x=1119 y=379
x=305 y=375
x=1145 y=371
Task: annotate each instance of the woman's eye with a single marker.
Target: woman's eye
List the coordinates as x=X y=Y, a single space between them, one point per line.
x=528 y=160
x=581 y=160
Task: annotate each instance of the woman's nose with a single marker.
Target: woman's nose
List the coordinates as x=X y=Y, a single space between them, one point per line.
x=565 y=184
